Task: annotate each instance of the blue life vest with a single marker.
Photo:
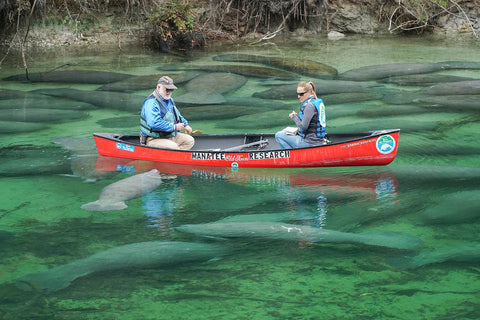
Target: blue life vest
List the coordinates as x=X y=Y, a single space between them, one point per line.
x=317 y=126
x=171 y=116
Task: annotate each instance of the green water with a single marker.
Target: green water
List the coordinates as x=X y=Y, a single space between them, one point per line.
x=429 y=193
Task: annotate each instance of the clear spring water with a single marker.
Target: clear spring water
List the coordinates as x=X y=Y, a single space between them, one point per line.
x=430 y=192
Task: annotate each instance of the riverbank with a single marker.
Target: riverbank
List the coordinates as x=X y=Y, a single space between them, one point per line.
x=213 y=21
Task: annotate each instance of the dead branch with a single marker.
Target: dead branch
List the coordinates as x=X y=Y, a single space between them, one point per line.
x=29 y=17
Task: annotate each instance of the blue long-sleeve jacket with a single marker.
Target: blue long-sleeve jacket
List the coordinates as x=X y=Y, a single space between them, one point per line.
x=154 y=115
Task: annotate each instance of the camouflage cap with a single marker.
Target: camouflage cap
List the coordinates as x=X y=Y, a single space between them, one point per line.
x=167 y=82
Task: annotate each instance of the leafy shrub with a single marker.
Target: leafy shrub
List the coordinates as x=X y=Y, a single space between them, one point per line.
x=173 y=26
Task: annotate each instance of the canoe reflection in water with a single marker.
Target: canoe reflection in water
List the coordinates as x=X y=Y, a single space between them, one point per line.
x=337 y=199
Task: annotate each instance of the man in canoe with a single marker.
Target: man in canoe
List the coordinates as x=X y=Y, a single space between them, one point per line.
x=161 y=121
x=311 y=121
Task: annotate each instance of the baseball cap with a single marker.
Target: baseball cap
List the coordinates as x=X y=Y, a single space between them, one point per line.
x=167 y=82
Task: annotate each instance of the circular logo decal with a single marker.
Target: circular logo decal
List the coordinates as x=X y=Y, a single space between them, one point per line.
x=385 y=144
x=234 y=165
x=323 y=117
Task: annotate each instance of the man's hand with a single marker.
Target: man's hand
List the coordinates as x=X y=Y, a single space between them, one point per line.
x=179 y=126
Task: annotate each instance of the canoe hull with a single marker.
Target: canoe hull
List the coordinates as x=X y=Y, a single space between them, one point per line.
x=374 y=148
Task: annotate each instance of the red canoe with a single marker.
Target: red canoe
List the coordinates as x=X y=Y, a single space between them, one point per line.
x=371 y=148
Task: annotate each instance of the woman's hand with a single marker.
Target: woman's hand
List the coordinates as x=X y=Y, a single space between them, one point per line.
x=293 y=114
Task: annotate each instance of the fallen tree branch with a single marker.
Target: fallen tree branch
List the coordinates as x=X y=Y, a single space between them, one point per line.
x=25 y=38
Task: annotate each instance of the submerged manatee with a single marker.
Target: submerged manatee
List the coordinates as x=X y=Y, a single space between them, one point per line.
x=350 y=97
x=71 y=76
x=83 y=158
x=457 y=207
x=20 y=126
x=102 y=99
x=418 y=145
x=424 y=176
x=422 y=80
x=292 y=232
x=41 y=115
x=45 y=102
x=452 y=88
x=220 y=111
x=268 y=119
x=465 y=253
x=377 y=72
x=113 y=196
x=462 y=65
x=209 y=88
x=25 y=160
x=200 y=98
x=146 y=82
x=288 y=91
x=305 y=67
x=452 y=102
x=390 y=110
x=250 y=71
x=219 y=82
x=16 y=94
x=135 y=255
x=340 y=125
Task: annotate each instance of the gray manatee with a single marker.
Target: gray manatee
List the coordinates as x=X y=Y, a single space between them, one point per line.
x=134 y=255
x=376 y=72
x=465 y=253
x=71 y=76
x=457 y=207
x=113 y=196
x=293 y=232
x=20 y=126
x=452 y=88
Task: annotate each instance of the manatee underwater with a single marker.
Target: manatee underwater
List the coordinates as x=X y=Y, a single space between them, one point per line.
x=31 y=160
x=301 y=66
x=288 y=91
x=250 y=71
x=463 y=253
x=44 y=102
x=209 y=88
x=293 y=232
x=134 y=255
x=83 y=158
x=113 y=196
x=146 y=82
x=377 y=72
x=452 y=88
x=71 y=76
x=20 y=126
x=41 y=115
x=102 y=99
x=452 y=103
x=456 y=207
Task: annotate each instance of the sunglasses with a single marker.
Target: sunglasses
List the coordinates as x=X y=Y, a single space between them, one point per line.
x=301 y=93
x=169 y=90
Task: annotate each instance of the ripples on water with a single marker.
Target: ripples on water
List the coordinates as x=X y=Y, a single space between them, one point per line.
x=428 y=195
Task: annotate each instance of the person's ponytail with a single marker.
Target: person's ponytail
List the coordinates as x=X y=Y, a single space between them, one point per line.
x=314 y=91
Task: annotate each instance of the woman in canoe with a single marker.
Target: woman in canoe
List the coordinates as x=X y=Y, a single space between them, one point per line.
x=310 y=121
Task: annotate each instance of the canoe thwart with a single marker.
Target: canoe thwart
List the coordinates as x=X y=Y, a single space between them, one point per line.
x=261 y=143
